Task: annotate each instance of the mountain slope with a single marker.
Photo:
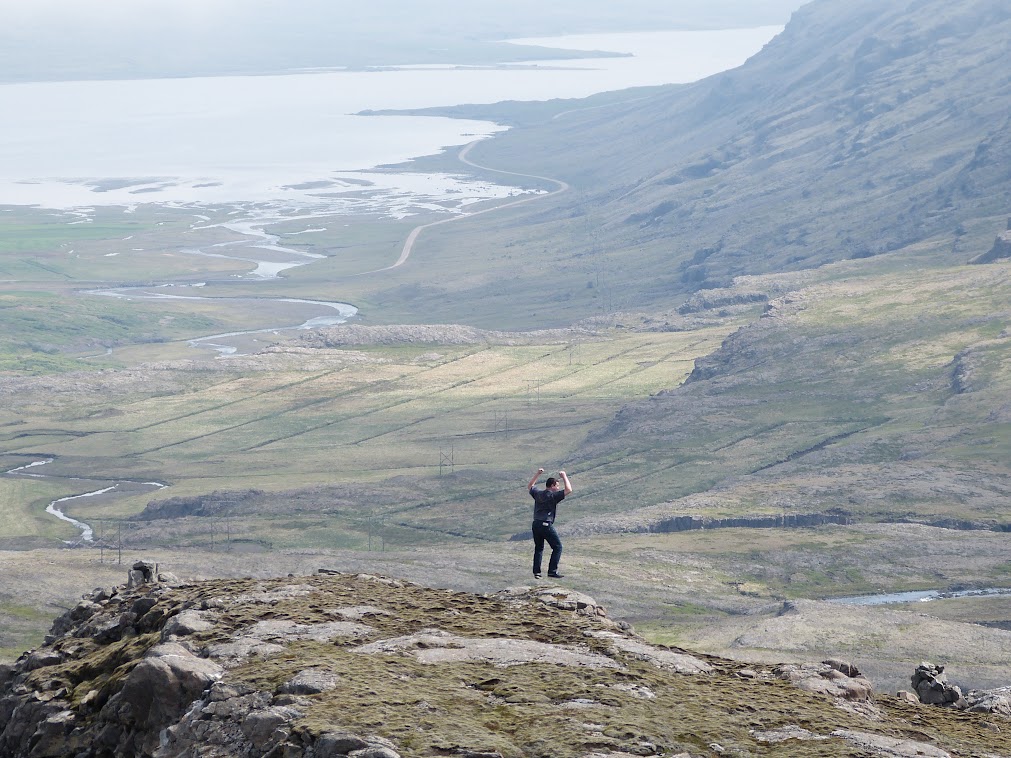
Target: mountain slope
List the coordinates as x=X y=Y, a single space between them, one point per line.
x=864 y=127
x=879 y=395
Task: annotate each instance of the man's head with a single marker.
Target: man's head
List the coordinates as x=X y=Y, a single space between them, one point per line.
x=551 y=483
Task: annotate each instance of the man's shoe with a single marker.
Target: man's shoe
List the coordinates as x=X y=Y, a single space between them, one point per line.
x=556 y=575
x=537 y=576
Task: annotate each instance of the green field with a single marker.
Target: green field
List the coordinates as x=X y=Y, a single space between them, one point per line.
x=805 y=411
x=488 y=414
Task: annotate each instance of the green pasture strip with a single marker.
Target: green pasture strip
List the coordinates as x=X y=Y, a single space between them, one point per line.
x=256 y=398
x=166 y=431
x=37 y=363
x=27 y=442
x=443 y=407
x=232 y=390
x=20 y=237
x=557 y=383
x=23 y=502
x=423 y=399
x=41 y=324
x=222 y=432
x=289 y=410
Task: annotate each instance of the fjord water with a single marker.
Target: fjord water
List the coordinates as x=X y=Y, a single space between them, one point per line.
x=293 y=137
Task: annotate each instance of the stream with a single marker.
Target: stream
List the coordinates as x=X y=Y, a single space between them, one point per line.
x=215 y=341
x=919 y=596
x=87 y=532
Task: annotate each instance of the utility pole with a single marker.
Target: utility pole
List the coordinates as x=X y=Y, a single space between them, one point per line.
x=533 y=391
x=446 y=460
x=573 y=352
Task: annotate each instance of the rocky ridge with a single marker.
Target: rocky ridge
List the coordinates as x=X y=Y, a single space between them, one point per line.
x=373 y=667
x=1001 y=248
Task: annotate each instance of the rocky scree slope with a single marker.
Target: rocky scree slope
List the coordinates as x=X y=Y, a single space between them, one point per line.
x=373 y=667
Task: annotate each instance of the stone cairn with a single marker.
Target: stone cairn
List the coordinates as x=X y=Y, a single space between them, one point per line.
x=931 y=686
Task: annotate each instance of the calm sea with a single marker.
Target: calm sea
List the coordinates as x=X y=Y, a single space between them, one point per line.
x=292 y=138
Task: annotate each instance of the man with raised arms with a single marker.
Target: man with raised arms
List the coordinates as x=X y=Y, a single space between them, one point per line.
x=545 y=502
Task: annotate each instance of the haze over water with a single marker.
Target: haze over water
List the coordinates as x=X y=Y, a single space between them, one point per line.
x=292 y=138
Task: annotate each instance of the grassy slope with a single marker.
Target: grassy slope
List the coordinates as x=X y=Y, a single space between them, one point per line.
x=863 y=128
x=882 y=393
x=498 y=410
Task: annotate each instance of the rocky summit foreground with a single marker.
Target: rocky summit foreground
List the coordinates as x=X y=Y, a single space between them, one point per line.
x=372 y=667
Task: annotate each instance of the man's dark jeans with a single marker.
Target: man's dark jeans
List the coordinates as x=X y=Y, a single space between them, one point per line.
x=544 y=532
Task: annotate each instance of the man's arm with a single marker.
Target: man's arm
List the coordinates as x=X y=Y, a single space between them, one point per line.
x=566 y=482
x=534 y=478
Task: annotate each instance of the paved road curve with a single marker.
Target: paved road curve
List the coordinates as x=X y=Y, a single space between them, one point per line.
x=405 y=253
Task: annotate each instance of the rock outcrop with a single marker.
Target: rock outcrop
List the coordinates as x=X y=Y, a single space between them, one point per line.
x=366 y=666
x=1001 y=248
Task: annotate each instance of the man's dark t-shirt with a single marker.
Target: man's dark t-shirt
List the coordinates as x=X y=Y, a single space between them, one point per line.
x=545 y=502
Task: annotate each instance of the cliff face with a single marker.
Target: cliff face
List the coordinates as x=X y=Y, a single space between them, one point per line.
x=372 y=667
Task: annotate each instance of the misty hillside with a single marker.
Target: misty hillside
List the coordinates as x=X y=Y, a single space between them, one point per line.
x=864 y=127
x=63 y=40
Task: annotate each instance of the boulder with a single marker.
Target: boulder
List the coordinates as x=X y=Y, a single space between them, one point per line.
x=186 y=623
x=142 y=572
x=826 y=679
x=38 y=659
x=310 y=682
x=989 y=701
x=161 y=687
x=334 y=744
x=269 y=726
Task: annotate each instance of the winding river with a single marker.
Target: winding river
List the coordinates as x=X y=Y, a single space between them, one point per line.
x=53 y=509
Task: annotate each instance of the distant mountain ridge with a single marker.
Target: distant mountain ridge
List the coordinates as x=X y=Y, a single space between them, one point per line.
x=59 y=40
